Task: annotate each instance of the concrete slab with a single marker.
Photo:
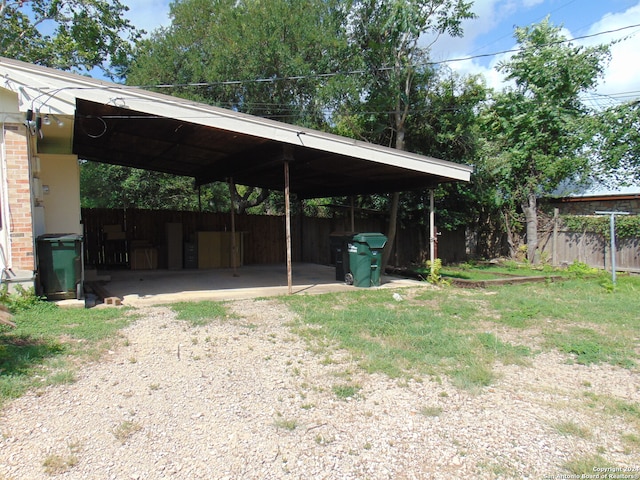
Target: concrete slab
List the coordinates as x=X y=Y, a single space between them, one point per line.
x=150 y=287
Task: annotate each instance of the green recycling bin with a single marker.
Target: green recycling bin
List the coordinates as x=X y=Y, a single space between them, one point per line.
x=60 y=268
x=365 y=258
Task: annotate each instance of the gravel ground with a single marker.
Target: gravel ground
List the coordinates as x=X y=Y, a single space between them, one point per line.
x=246 y=399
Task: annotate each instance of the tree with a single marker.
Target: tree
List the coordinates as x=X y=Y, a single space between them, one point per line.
x=444 y=124
x=113 y=186
x=618 y=143
x=261 y=58
x=539 y=127
x=67 y=34
x=385 y=37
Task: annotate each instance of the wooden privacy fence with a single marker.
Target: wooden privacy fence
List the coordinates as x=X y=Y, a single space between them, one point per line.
x=563 y=246
x=134 y=238
x=111 y=236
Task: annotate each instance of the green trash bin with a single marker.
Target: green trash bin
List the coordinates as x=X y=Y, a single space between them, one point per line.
x=60 y=269
x=365 y=258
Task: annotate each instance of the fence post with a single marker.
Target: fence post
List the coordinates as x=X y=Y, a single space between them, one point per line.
x=554 y=242
x=612 y=228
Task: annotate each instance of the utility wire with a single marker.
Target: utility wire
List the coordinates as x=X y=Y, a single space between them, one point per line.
x=380 y=69
x=351 y=72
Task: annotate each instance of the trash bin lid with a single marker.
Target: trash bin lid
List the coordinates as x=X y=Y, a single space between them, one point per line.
x=374 y=240
x=60 y=237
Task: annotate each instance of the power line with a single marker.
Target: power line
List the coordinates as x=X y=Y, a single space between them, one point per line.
x=380 y=69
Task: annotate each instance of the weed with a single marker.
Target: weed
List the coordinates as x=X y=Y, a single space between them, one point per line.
x=127 y=428
x=586 y=464
x=57 y=464
x=581 y=270
x=346 y=391
x=61 y=377
x=284 y=423
x=588 y=346
x=22 y=300
x=570 y=428
x=631 y=442
x=431 y=411
x=435 y=272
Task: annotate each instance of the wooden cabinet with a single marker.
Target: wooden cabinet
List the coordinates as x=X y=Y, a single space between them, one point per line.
x=214 y=249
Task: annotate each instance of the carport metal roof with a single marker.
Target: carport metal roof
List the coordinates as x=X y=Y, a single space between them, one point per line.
x=130 y=126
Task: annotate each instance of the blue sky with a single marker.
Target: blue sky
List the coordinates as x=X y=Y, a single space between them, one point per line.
x=492 y=32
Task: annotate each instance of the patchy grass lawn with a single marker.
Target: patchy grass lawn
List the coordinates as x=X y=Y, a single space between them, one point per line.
x=43 y=348
x=439 y=331
x=449 y=331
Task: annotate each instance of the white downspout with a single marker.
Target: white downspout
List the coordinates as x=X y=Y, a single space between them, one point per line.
x=5 y=244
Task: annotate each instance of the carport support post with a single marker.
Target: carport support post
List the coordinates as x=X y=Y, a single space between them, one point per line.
x=287 y=209
x=432 y=232
x=234 y=247
x=353 y=216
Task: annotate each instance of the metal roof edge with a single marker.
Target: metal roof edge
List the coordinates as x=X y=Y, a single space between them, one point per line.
x=149 y=102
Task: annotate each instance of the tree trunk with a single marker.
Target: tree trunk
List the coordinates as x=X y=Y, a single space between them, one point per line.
x=395 y=200
x=391 y=232
x=530 y=210
x=400 y=118
x=511 y=242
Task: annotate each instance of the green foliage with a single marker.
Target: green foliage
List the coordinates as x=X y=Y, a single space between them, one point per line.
x=68 y=34
x=617 y=143
x=626 y=226
x=22 y=299
x=435 y=272
x=581 y=269
x=538 y=129
x=146 y=189
x=286 y=41
x=384 y=44
x=586 y=347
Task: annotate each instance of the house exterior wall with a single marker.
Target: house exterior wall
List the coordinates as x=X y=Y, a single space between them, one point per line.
x=18 y=259
x=60 y=197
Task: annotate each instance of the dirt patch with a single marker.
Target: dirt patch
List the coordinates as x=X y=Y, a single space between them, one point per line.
x=246 y=398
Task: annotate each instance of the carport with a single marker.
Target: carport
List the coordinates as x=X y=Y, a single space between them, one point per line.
x=129 y=126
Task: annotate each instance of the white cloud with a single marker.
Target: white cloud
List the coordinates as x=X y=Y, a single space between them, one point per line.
x=531 y=3
x=621 y=73
x=621 y=76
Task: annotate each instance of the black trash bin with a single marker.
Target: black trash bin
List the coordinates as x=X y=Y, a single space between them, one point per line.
x=339 y=243
x=365 y=258
x=60 y=268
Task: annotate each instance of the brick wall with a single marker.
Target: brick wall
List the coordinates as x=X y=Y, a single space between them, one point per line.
x=20 y=222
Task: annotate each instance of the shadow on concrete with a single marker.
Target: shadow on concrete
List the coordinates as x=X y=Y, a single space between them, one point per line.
x=139 y=287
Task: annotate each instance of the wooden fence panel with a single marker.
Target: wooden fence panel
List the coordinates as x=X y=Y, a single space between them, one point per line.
x=264 y=239
x=592 y=249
